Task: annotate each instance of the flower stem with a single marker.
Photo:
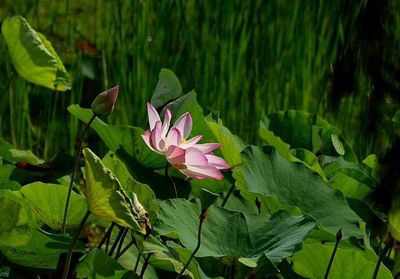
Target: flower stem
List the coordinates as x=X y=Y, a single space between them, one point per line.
x=339 y=236
x=72 y=245
x=202 y=217
x=170 y=178
x=382 y=255
x=75 y=168
x=146 y=263
x=228 y=195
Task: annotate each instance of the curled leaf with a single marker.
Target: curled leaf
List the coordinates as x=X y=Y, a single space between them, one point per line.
x=104 y=194
x=33 y=55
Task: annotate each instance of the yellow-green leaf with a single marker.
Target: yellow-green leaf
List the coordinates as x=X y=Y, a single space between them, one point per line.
x=16 y=224
x=104 y=194
x=33 y=55
x=48 y=201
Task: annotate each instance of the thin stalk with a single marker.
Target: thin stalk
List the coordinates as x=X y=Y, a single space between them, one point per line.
x=116 y=242
x=108 y=242
x=72 y=245
x=382 y=255
x=121 y=242
x=137 y=261
x=339 y=236
x=389 y=252
x=11 y=106
x=75 y=168
x=233 y=270
x=106 y=235
x=201 y=221
x=119 y=254
x=225 y=270
x=170 y=178
x=228 y=195
x=144 y=267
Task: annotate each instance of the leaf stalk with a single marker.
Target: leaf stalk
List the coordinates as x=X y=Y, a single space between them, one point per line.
x=75 y=168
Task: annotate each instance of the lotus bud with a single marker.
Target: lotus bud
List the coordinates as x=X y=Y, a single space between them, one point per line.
x=104 y=103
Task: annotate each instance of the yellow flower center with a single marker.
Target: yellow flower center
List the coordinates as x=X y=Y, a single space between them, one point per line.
x=180 y=166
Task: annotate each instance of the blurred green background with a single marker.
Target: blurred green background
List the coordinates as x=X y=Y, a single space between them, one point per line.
x=245 y=59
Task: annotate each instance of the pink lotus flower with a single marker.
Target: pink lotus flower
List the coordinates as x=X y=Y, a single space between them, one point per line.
x=192 y=159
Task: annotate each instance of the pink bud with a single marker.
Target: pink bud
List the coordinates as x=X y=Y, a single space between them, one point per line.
x=104 y=103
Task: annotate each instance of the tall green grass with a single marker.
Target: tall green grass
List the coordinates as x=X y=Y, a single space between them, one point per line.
x=243 y=58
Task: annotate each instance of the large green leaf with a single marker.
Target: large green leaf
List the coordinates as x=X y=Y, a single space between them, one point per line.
x=194 y=266
x=333 y=165
x=349 y=263
x=48 y=201
x=217 y=186
x=394 y=217
x=16 y=225
x=352 y=179
x=13 y=155
x=42 y=251
x=10 y=185
x=33 y=56
x=168 y=88
x=105 y=196
x=373 y=167
x=350 y=187
x=98 y=265
x=163 y=257
x=308 y=158
x=300 y=129
x=292 y=184
x=230 y=233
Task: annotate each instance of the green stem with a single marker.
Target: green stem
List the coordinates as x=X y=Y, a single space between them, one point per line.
x=121 y=242
x=106 y=236
x=201 y=221
x=339 y=236
x=116 y=242
x=144 y=267
x=72 y=245
x=233 y=270
x=225 y=270
x=228 y=195
x=170 y=178
x=119 y=254
x=382 y=255
x=75 y=168
x=137 y=260
x=11 y=106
